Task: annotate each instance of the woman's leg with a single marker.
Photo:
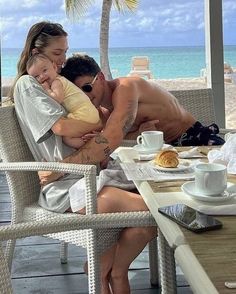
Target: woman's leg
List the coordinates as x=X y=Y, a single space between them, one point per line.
x=111 y=199
x=116 y=260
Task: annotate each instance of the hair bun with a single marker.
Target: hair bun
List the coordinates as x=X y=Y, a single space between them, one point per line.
x=167 y=158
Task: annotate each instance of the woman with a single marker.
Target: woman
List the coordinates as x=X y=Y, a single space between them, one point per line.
x=43 y=124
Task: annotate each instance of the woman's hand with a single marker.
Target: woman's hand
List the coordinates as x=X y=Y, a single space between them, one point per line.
x=47 y=177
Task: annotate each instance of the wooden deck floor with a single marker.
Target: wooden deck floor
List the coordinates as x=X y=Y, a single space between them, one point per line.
x=37 y=268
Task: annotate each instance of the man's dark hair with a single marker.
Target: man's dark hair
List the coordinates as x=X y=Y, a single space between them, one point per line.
x=80 y=65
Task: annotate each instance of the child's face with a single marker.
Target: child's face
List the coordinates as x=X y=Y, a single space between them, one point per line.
x=43 y=71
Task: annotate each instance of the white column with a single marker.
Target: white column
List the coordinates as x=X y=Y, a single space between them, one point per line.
x=215 y=56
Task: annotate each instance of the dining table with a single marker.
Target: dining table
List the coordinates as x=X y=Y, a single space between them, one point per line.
x=207 y=259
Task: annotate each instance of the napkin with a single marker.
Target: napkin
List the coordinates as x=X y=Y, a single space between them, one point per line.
x=194 y=152
x=226 y=155
x=152 y=155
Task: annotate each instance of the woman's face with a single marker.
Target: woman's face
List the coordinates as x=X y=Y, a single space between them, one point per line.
x=56 y=51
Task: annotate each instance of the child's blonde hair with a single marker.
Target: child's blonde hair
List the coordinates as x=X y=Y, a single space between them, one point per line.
x=34 y=58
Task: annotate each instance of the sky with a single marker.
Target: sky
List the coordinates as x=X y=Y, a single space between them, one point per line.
x=154 y=23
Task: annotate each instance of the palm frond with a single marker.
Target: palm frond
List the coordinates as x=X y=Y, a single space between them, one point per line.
x=77 y=8
x=123 y=5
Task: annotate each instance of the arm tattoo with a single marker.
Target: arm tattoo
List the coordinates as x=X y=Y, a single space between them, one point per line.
x=128 y=124
x=130 y=119
x=99 y=139
x=107 y=151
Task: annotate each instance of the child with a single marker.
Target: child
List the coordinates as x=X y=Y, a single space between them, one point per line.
x=74 y=100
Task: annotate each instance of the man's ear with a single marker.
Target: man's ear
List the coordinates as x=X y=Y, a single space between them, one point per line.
x=34 y=51
x=101 y=76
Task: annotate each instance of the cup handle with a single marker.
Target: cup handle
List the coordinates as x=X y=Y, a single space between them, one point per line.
x=140 y=139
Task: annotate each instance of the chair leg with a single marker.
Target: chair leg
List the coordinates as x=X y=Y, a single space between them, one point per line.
x=5 y=276
x=94 y=281
x=153 y=263
x=9 y=252
x=167 y=266
x=64 y=252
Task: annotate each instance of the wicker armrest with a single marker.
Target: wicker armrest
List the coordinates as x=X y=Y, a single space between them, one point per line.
x=77 y=222
x=80 y=169
x=88 y=171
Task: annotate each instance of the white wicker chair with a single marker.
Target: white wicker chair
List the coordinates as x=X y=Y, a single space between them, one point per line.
x=200 y=103
x=24 y=190
x=58 y=224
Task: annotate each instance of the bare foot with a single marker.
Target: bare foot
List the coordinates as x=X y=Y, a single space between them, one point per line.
x=105 y=286
x=120 y=285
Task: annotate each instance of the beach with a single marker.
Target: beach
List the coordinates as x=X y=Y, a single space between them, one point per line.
x=184 y=84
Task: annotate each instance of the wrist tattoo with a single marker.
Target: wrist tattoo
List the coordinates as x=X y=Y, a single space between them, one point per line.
x=107 y=151
x=99 y=139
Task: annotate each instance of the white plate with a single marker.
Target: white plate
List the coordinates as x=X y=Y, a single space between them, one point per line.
x=189 y=188
x=141 y=150
x=183 y=165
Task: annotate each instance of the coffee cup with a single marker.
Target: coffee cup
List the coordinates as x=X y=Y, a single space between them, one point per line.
x=151 y=140
x=210 y=178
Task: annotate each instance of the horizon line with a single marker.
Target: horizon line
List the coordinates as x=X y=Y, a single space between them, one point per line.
x=136 y=47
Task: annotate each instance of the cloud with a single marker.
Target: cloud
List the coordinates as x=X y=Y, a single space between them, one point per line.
x=154 y=22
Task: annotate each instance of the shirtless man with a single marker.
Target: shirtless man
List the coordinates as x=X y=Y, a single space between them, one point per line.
x=132 y=101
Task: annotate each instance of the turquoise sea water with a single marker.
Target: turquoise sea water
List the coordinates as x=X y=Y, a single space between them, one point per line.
x=165 y=62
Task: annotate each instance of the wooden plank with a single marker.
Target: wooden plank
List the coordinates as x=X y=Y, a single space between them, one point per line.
x=36 y=240
x=4 y=198
x=5 y=216
x=77 y=283
x=5 y=206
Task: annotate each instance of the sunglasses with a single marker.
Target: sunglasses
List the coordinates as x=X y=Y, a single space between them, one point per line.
x=89 y=87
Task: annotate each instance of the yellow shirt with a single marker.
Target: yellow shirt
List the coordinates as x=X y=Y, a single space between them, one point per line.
x=77 y=103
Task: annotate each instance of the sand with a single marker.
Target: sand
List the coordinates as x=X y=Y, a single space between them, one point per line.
x=192 y=83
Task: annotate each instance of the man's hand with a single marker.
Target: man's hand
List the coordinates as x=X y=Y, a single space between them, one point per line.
x=151 y=125
x=89 y=136
x=47 y=177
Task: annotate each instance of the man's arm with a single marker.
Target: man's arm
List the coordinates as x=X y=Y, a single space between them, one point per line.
x=125 y=103
x=70 y=127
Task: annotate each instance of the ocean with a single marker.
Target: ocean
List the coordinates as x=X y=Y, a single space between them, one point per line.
x=165 y=62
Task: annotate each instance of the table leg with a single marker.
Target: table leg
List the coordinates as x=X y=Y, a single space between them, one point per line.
x=167 y=266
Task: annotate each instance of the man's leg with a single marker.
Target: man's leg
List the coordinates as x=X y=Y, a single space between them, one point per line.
x=131 y=243
x=117 y=259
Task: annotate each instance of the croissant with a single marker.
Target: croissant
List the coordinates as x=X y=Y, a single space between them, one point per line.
x=167 y=158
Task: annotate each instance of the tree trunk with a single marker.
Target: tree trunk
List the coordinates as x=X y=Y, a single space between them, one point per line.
x=104 y=37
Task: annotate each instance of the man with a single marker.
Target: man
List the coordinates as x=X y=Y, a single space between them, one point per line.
x=132 y=101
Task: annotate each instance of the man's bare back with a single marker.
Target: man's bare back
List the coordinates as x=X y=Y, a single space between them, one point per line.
x=155 y=103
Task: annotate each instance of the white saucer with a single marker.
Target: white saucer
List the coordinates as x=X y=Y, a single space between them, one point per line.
x=189 y=188
x=142 y=150
x=183 y=165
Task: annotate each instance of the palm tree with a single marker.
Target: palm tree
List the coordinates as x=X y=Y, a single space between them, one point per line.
x=77 y=8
